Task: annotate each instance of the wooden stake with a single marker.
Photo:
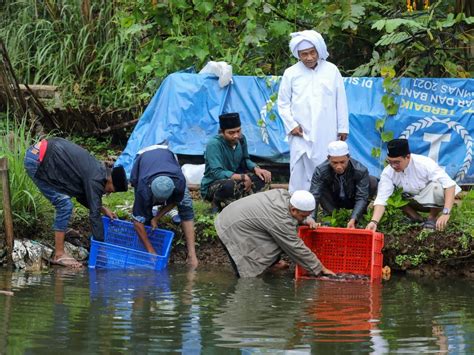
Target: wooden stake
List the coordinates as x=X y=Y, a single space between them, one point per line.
x=7 y=211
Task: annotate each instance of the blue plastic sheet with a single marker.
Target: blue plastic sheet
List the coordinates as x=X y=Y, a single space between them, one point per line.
x=436 y=115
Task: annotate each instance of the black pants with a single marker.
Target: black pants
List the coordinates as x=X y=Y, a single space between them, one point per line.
x=223 y=192
x=330 y=202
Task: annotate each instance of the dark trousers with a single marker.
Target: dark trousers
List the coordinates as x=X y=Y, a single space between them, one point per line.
x=223 y=192
x=330 y=201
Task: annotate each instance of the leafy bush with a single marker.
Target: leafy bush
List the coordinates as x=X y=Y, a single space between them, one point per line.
x=115 y=53
x=204 y=222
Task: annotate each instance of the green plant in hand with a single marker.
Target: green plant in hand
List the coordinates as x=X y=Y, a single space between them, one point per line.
x=338 y=218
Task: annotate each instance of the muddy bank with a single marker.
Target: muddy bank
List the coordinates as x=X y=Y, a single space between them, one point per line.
x=211 y=253
x=407 y=249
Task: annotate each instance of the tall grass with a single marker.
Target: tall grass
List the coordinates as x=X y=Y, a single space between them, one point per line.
x=74 y=45
x=27 y=203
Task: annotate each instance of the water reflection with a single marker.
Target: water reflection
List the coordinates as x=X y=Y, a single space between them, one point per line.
x=344 y=312
x=128 y=301
x=258 y=313
x=429 y=315
x=210 y=311
x=261 y=313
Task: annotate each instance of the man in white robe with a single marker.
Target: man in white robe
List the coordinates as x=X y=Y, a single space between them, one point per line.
x=312 y=103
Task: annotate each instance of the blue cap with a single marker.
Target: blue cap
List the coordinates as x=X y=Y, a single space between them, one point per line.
x=162 y=187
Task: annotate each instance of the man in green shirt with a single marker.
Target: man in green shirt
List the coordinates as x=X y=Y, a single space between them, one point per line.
x=229 y=173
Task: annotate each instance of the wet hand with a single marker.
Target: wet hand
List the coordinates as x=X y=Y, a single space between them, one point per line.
x=192 y=262
x=442 y=221
x=326 y=271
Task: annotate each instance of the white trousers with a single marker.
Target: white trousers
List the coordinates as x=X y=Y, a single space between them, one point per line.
x=301 y=173
x=431 y=196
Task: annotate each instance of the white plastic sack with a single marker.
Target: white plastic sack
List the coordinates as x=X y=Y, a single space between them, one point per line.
x=220 y=69
x=193 y=173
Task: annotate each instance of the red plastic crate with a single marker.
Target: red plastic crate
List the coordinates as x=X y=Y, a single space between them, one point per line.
x=342 y=250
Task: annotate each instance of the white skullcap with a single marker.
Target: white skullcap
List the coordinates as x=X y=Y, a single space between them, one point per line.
x=303 y=200
x=338 y=149
x=312 y=37
x=304 y=44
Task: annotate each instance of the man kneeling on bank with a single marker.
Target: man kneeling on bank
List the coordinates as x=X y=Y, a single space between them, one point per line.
x=256 y=229
x=428 y=187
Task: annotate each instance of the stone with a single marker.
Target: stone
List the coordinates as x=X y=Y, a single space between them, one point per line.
x=18 y=255
x=78 y=253
x=34 y=257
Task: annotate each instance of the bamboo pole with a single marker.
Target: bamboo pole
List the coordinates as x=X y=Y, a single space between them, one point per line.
x=7 y=211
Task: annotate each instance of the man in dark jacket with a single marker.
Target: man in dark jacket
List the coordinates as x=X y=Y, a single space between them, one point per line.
x=342 y=182
x=229 y=173
x=61 y=170
x=158 y=180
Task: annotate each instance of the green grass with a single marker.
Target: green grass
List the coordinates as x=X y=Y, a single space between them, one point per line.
x=81 y=50
x=28 y=204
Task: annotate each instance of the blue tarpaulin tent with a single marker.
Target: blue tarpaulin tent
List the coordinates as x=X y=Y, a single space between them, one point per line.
x=436 y=115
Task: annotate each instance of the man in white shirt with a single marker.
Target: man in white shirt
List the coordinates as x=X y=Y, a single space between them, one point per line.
x=422 y=180
x=313 y=106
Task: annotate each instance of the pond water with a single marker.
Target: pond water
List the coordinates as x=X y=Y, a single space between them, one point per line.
x=210 y=311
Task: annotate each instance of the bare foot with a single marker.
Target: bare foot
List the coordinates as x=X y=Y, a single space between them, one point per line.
x=66 y=261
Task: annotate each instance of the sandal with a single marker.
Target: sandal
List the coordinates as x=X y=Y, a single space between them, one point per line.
x=66 y=261
x=413 y=221
x=429 y=225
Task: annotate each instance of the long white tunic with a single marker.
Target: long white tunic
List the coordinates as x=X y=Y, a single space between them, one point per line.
x=316 y=100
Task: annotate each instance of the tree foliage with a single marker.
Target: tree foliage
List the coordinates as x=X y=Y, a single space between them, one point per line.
x=115 y=53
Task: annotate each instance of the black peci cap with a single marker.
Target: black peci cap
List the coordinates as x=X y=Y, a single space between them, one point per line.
x=229 y=120
x=398 y=148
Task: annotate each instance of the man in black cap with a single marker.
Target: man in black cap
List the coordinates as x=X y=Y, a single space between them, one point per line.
x=61 y=170
x=229 y=173
x=423 y=181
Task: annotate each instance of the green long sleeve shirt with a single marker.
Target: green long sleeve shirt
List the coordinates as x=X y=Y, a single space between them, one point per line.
x=222 y=161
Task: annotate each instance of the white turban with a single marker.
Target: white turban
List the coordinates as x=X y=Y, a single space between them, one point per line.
x=303 y=200
x=310 y=36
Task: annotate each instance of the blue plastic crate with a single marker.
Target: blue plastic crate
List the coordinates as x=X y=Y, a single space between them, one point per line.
x=122 y=248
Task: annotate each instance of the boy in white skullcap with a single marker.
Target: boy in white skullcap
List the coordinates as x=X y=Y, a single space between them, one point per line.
x=342 y=182
x=256 y=229
x=312 y=118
